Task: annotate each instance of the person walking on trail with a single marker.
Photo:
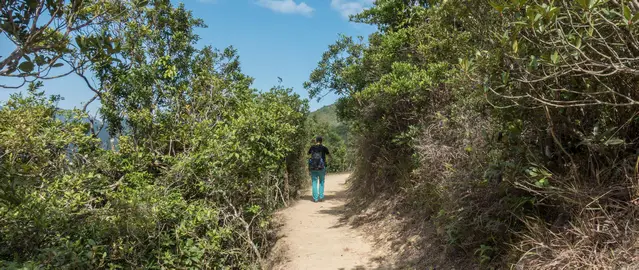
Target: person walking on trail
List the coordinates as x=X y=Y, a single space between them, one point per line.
x=317 y=166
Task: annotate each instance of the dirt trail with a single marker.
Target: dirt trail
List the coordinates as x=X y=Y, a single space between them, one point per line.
x=313 y=237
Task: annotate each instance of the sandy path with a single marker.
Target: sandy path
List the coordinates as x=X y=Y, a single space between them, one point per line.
x=316 y=239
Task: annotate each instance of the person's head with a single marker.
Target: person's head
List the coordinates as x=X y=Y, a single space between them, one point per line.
x=318 y=140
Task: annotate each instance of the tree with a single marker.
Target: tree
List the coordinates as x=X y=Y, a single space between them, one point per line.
x=49 y=34
x=203 y=159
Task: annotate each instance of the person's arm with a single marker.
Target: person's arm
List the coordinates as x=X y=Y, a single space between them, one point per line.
x=308 y=161
x=328 y=154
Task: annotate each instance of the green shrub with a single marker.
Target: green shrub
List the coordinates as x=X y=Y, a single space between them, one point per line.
x=202 y=159
x=66 y=203
x=508 y=124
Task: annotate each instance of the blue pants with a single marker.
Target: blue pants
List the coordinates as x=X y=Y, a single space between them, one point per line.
x=314 y=176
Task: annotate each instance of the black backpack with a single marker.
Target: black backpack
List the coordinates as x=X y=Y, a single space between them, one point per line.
x=316 y=163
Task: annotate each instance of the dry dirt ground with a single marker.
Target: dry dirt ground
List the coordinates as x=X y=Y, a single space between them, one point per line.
x=314 y=235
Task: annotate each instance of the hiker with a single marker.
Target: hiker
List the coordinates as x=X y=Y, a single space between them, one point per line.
x=317 y=167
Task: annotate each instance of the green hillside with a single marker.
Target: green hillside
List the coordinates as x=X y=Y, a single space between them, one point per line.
x=326 y=114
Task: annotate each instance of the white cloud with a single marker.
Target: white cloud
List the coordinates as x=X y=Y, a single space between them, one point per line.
x=287 y=6
x=350 y=7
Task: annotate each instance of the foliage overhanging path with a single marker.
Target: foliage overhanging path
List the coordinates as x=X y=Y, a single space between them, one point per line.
x=316 y=238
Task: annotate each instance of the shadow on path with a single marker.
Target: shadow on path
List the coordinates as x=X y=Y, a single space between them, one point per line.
x=361 y=267
x=340 y=195
x=316 y=235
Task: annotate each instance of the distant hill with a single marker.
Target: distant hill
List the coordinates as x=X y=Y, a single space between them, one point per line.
x=102 y=133
x=327 y=114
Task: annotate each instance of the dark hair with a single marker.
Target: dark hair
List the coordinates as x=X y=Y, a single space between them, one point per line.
x=318 y=139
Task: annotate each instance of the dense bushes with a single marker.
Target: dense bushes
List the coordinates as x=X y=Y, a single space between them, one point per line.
x=202 y=160
x=510 y=125
x=65 y=202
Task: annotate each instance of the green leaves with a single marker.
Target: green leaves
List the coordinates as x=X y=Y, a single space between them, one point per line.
x=195 y=143
x=465 y=64
x=40 y=60
x=554 y=58
x=541 y=176
x=141 y=3
x=533 y=64
x=578 y=43
x=337 y=71
x=79 y=40
x=505 y=77
x=627 y=15
x=499 y=6
x=57 y=21
x=583 y=3
x=543 y=182
x=614 y=141
x=32 y=4
x=26 y=66
x=588 y=4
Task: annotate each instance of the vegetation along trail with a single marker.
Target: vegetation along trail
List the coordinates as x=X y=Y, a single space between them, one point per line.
x=314 y=237
x=492 y=134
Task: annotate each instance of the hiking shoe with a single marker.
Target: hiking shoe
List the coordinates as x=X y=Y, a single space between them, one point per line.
x=321 y=200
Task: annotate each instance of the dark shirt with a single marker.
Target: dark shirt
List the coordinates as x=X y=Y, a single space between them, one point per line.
x=319 y=148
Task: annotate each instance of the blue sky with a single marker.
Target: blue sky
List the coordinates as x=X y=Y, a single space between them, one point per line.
x=274 y=38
